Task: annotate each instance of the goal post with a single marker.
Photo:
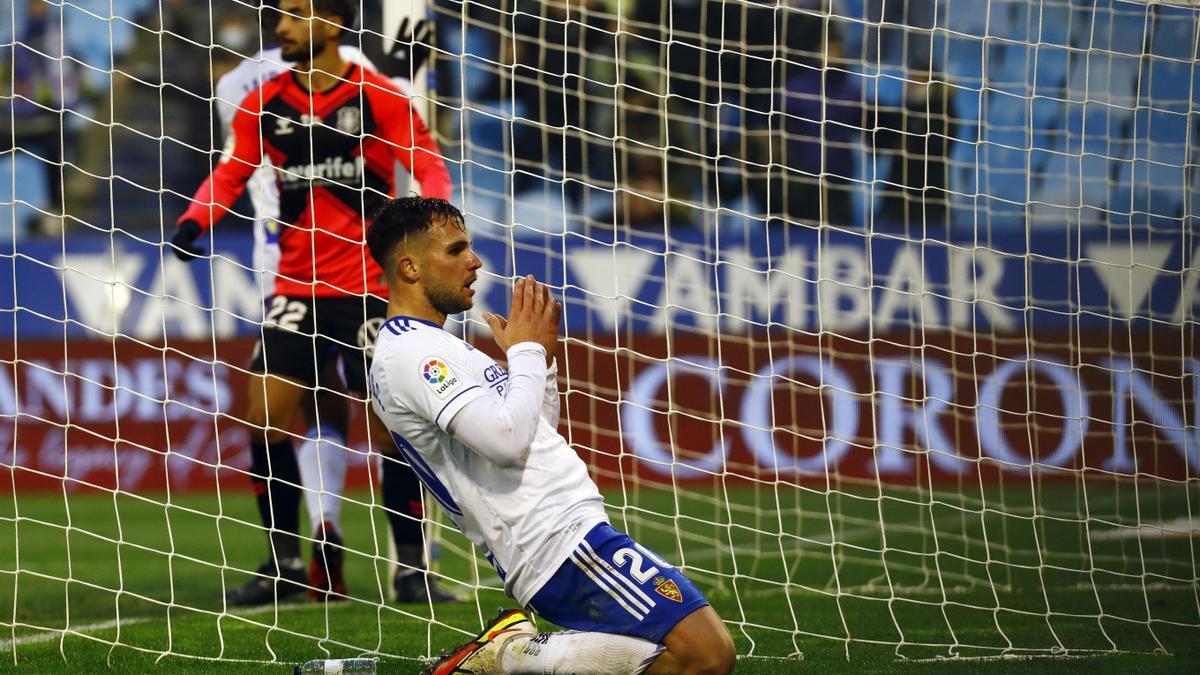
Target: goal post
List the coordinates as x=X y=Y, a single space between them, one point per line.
x=879 y=321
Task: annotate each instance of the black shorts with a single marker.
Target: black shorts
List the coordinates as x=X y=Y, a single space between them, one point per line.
x=301 y=336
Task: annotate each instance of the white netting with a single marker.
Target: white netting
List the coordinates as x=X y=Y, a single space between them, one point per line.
x=880 y=317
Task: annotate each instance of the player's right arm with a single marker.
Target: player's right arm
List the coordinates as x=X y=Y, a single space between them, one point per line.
x=229 y=92
x=425 y=374
x=497 y=425
x=243 y=153
x=502 y=428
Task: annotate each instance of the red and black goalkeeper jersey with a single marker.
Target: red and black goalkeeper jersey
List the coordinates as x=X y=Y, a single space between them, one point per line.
x=334 y=154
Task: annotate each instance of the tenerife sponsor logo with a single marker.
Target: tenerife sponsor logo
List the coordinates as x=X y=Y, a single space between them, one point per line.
x=336 y=169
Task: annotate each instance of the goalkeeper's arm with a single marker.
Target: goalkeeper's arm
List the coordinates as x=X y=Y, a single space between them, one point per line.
x=242 y=155
x=410 y=141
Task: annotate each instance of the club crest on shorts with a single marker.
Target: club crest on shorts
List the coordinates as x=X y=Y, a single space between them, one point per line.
x=368 y=333
x=438 y=376
x=667 y=588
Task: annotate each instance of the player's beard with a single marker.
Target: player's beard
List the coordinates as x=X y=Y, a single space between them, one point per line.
x=303 y=52
x=449 y=302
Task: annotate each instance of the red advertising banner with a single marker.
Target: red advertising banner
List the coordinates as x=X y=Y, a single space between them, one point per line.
x=679 y=408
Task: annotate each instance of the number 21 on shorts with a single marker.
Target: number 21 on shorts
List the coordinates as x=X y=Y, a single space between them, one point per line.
x=636 y=561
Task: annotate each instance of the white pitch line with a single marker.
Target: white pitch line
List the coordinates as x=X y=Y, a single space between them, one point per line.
x=52 y=634
x=46 y=634
x=1011 y=657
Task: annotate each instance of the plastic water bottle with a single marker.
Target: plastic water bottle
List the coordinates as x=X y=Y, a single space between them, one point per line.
x=338 y=666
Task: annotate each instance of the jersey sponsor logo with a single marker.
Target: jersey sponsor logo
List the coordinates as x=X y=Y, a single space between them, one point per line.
x=667 y=588
x=438 y=376
x=333 y=168
x=496 y=377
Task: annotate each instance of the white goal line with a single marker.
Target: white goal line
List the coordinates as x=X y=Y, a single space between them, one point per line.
x=1180 y=528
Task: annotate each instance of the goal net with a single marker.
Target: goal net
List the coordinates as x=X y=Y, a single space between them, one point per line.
x=879 y=320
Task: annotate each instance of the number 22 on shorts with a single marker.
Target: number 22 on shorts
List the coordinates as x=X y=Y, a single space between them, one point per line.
x=285 y=313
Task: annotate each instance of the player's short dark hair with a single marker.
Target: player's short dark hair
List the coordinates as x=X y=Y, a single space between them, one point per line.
x=399 y=218
x=346 y=10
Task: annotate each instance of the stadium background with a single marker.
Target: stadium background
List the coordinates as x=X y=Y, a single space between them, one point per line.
x=756 y=300
x=1123 y=199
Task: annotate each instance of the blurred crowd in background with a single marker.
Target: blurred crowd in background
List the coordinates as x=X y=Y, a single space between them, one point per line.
x=554 y=113
x=684 y=107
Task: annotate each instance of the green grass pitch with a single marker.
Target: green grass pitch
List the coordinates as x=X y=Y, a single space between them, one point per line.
x=840 y=576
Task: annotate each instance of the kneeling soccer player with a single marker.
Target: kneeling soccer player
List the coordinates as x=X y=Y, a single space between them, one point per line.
x=484 y=442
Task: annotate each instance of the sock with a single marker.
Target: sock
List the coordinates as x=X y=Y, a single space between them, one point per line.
x=578 y=653
x=402 y=494
x=278 y=503
x=322 y=461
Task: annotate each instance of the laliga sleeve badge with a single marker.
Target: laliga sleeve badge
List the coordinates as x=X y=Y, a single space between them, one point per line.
x=667 y=588
x=438 y=376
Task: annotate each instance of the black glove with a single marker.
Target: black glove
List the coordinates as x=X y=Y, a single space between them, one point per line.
x=184 y=241
x=410 y=50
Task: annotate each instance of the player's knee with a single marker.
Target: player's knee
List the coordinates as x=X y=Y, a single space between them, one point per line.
x=724 y=656
x=708 y=663
x=275 y=435
x=256 y=422
x=266 y=425
x=717 y=659
x=712 y=655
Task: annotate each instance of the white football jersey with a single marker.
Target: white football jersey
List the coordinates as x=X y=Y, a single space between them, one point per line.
x=526 y=518
x=232 y=89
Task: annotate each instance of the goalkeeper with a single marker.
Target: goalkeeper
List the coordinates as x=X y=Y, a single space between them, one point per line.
x=483 y=440
x=322 y=457
x=333 y=131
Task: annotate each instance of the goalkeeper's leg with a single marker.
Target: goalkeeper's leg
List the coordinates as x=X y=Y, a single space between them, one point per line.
x=275 y=476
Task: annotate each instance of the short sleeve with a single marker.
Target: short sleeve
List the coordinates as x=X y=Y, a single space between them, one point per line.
x=228 y=94
x=430 y=378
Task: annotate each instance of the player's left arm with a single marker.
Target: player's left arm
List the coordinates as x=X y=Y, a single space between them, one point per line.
x=243 y=154
x=411 y=141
